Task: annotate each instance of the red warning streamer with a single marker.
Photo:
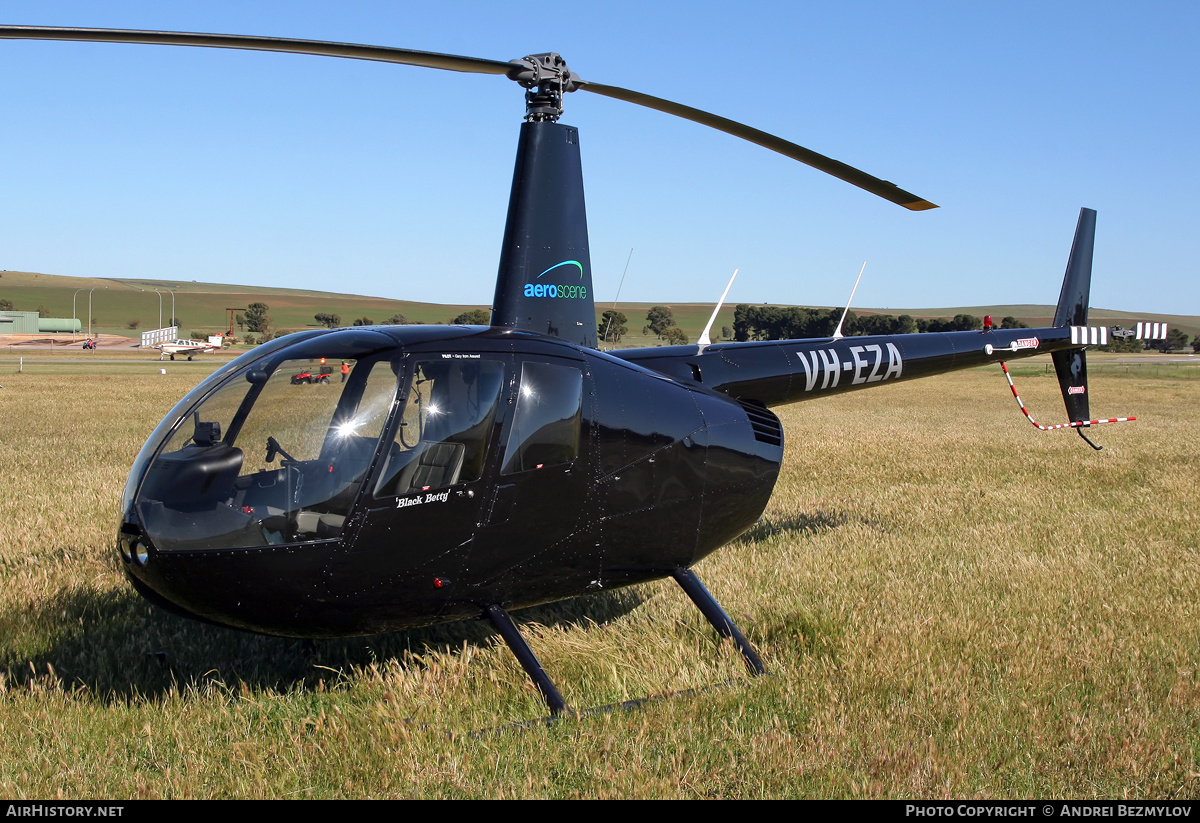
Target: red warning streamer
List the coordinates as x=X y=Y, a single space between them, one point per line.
x=1080 y=424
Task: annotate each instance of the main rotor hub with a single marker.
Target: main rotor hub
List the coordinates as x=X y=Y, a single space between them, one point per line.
x=546 y=78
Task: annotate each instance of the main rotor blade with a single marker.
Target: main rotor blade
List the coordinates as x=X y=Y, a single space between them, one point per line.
x=474 y=65
x=383 y=54
x=884 y=188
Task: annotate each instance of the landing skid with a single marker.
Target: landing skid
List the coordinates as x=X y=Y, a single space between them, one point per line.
x=525 y=656
x=720 y=621
x=687 y=580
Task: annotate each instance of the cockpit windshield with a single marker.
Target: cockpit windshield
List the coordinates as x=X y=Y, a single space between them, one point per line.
x=276 y=454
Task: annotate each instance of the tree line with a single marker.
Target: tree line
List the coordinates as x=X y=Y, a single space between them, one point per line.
x=790 y=323
x=797 y=322
x=471 y=317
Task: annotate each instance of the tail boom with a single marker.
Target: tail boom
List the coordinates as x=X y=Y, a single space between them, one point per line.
x=778 y=372
x=787 y=371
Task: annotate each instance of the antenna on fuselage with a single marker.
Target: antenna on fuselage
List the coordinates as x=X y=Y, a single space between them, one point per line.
x=620 y=286
x=704 y=338
x=837 y=333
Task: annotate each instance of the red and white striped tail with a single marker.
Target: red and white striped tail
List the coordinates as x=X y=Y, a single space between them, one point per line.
x=1073 y=425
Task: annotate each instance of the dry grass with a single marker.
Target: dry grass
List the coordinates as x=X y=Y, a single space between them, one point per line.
x=950 y=602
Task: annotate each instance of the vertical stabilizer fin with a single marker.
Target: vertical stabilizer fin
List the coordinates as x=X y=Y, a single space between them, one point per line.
x=1073 y=299
x=1071 y=368
x=1071 y=365
x=544 y=284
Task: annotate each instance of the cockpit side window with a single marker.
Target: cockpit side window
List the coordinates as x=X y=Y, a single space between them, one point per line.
x=442 y=434
x=545 y=428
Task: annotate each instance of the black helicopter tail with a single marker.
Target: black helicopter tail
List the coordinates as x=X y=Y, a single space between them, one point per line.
x=544 y=284
x=1071 y=320
x=1071 y=364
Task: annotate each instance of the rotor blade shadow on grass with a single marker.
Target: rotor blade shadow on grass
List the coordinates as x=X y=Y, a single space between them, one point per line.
x=803 y=523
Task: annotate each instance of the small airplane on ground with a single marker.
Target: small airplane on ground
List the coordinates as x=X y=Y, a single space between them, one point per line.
x=463 y=471
x=190 y=347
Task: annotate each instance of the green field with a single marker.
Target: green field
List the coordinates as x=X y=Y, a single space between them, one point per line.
x=951 y=604
x=202 y=307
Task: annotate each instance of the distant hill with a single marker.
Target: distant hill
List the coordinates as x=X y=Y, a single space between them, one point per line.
x=202 y=307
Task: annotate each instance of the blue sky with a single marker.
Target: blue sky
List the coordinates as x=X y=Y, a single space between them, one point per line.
x=262 y=169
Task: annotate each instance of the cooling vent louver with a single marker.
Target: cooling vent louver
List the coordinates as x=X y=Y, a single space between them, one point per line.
x=766 y=425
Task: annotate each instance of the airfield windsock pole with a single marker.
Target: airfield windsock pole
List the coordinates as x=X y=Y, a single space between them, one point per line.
x=92 y=289
x=74 y=317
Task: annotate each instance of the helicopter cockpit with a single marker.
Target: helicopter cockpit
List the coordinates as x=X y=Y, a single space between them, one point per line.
x=277 y=452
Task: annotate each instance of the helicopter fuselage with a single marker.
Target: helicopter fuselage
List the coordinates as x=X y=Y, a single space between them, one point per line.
x=457 y=467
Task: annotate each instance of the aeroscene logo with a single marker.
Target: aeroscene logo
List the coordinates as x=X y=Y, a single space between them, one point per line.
x=558 y=290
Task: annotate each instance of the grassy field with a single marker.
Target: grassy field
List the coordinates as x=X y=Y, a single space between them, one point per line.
x=951 y=604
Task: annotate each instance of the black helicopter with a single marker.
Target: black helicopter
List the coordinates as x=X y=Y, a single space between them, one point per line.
x=463 y=471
